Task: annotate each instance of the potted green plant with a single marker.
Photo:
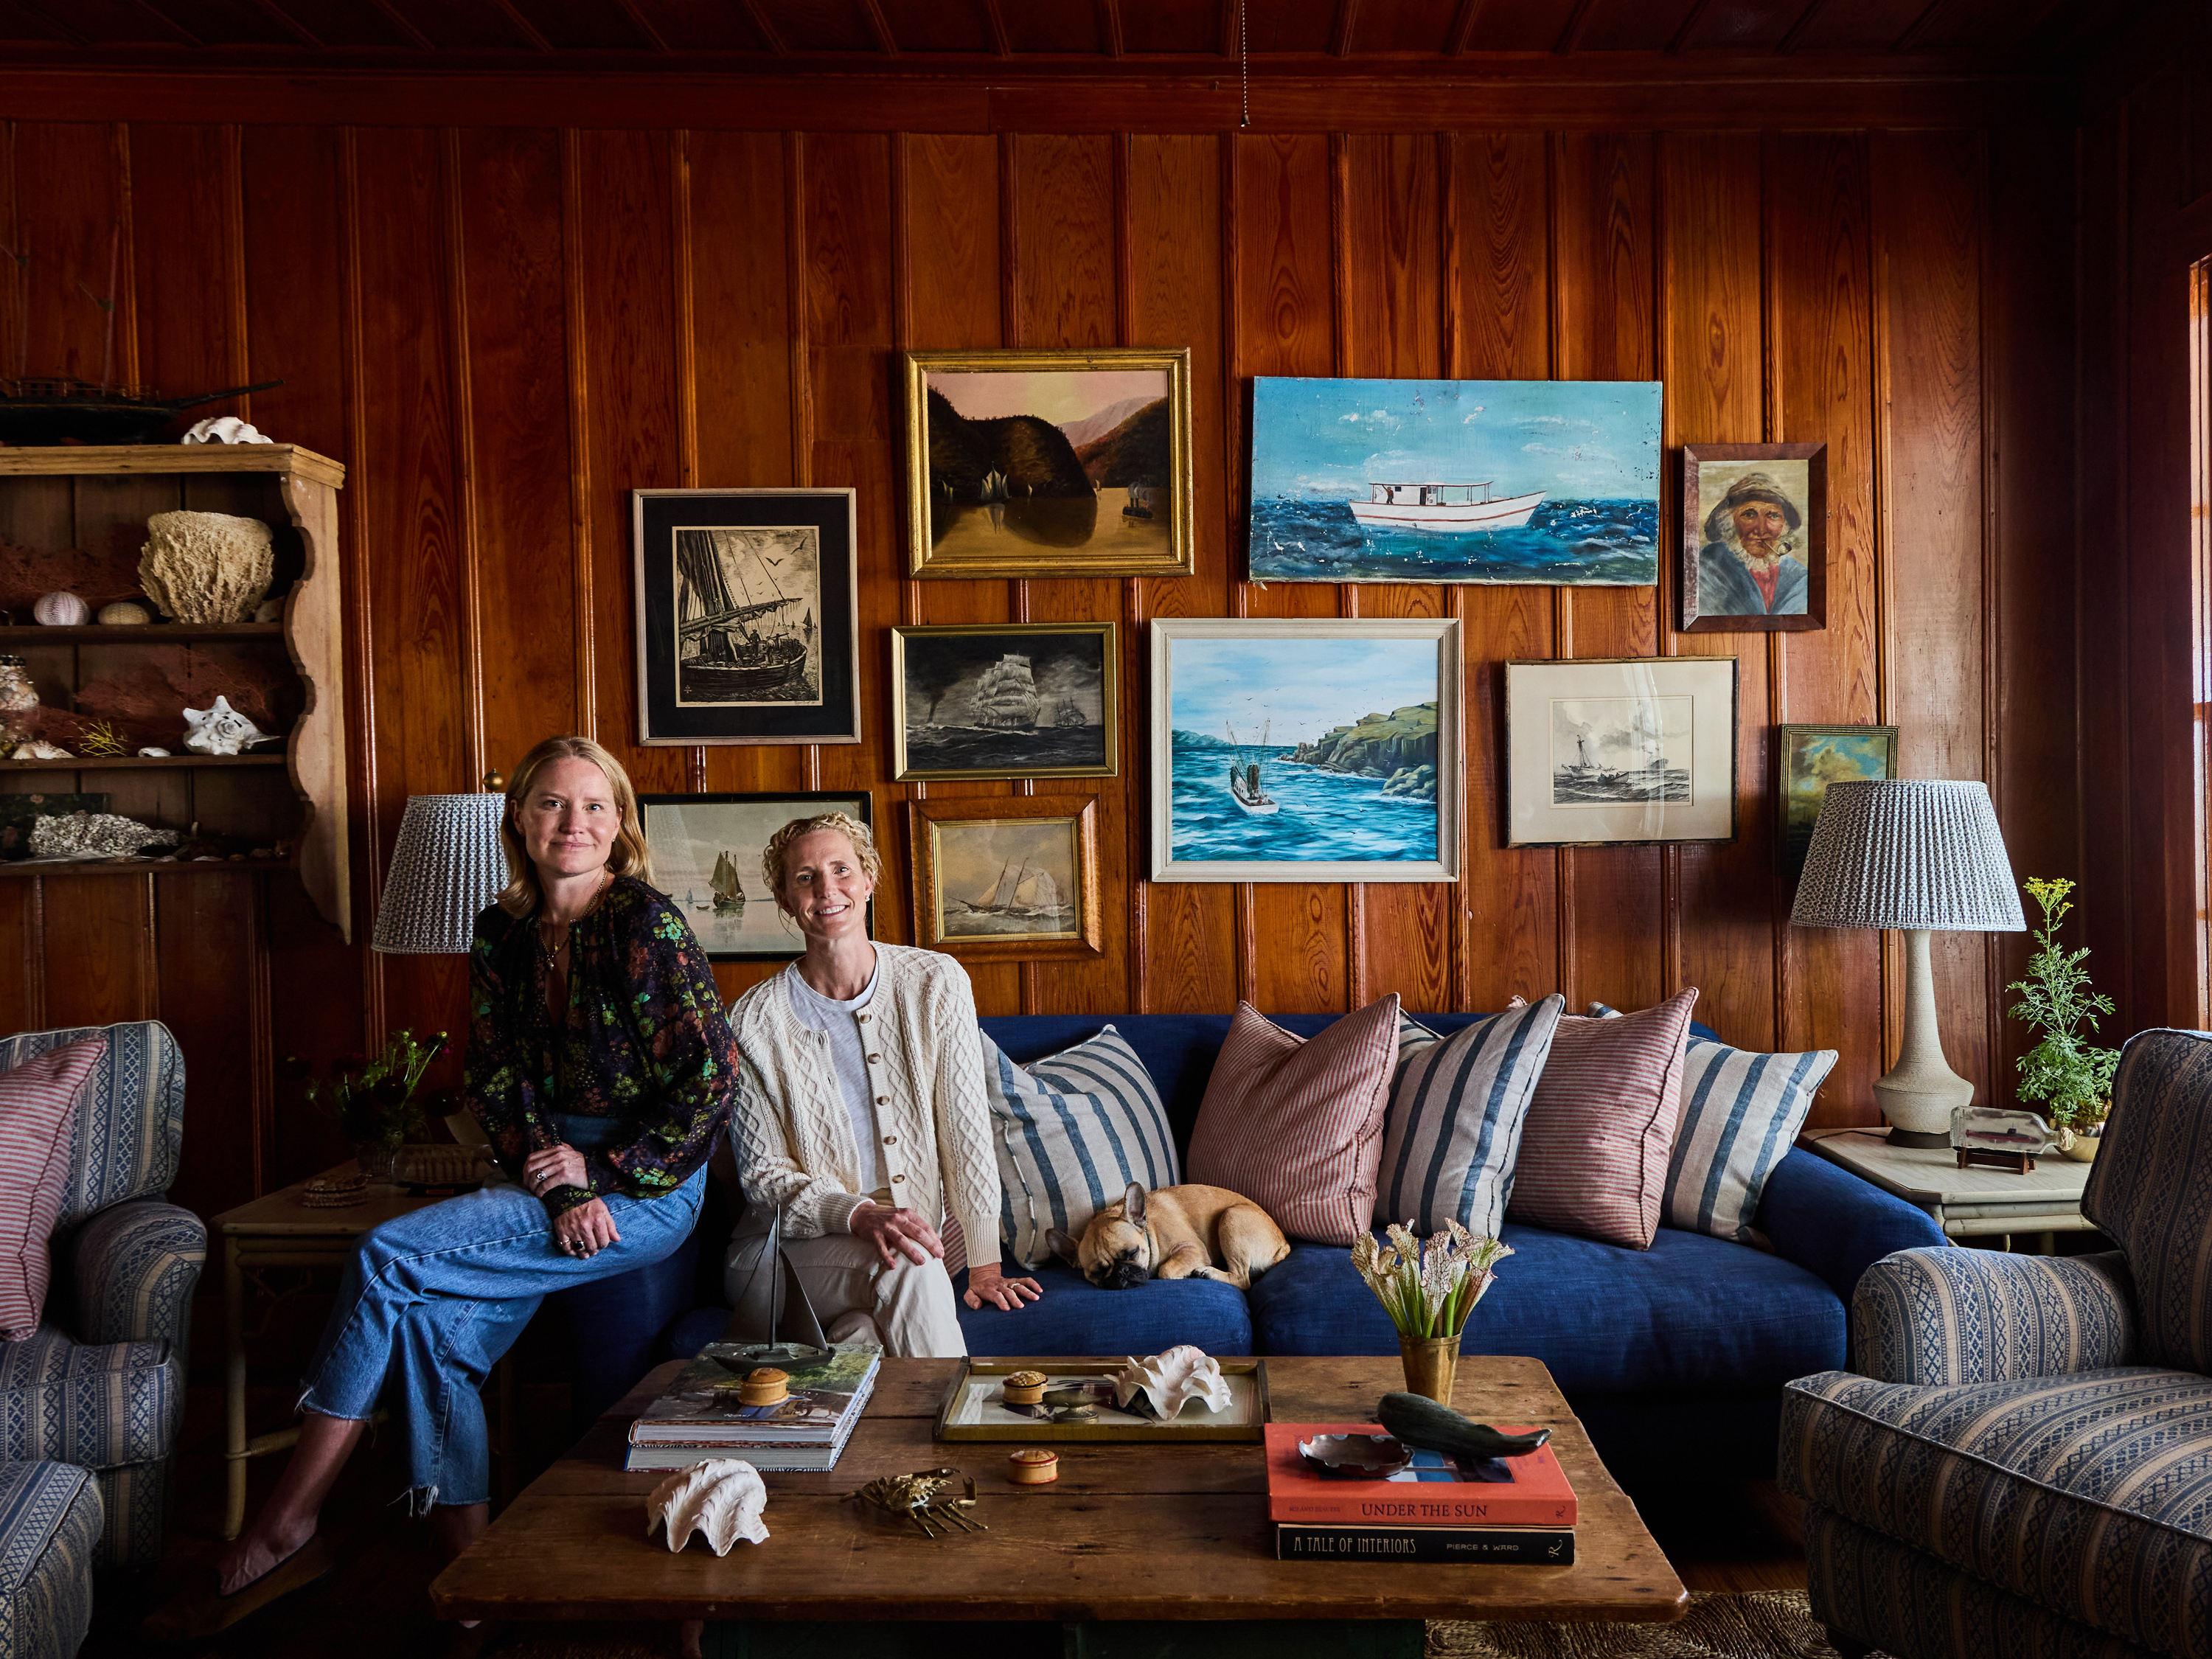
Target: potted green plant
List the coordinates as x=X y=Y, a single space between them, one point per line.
x=1429 y=1287
x=372 y=1097
x=2064 y=1070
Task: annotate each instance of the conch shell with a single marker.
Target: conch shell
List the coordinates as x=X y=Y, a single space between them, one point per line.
x=1170 y=1380
x=721 y=1499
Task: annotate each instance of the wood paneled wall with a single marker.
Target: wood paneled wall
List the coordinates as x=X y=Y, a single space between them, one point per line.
x=502 y=330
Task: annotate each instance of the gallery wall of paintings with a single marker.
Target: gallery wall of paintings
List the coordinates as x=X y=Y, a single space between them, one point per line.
x=544 y=319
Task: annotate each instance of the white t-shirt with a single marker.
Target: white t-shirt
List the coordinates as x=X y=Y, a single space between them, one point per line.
x=834 y=1019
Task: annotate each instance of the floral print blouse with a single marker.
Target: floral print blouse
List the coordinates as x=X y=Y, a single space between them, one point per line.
x=645 y=1041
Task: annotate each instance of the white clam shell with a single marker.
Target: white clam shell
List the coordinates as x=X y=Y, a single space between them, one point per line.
x=224 y=429
x=720 y=1499
x=60 y=609
x=1172 y=1379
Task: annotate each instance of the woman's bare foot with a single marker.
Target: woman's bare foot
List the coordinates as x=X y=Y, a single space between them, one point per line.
x=271 y=1540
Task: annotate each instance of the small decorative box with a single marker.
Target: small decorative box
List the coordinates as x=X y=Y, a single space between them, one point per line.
x=1033 y=1466
x=1024 y=1387
x=765 y=1387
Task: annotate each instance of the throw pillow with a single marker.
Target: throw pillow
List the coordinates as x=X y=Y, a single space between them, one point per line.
x=1456 y=1108
x=1296 y=1124
x=1073 y=1131
x=1741 y=1115
x=1601 y=1125
x=38 y=1117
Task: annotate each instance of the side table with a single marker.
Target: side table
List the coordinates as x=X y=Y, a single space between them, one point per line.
x=281 y=1229
x=1977 y=1202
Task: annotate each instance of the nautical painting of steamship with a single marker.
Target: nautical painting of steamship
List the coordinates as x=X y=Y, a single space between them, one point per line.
x=747 y=604
x=1607 y=750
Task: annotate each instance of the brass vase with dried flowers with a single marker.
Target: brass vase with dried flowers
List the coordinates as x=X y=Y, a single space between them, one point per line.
x=373 y=1097
x=1429 y=1287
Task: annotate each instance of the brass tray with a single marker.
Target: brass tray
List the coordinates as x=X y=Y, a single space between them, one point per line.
x=967 y=1412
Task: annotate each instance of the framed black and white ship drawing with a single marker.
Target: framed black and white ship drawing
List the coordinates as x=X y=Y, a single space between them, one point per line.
x=748 y=623
x=1601 y=751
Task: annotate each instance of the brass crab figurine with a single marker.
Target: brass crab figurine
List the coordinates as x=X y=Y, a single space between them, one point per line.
x=916 y=1497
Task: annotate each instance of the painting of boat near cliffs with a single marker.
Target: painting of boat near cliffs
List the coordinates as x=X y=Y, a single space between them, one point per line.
x=1305 y=750
x=1553 y=482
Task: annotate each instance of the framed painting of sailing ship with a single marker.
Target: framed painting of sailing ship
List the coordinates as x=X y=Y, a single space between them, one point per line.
x=1602 y=750
x=1006 y=877
x=1305 y=750
x=1006 y=700
x=748 y=623
x=1073 y=463
x=706 y=858
x=1754 y=538
x=1552 y=481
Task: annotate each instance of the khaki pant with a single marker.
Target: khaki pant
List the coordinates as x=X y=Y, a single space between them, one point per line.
x=909 y=1309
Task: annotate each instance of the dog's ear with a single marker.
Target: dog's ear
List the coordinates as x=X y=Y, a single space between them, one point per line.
x=1062 y=1245
x=1133 y=1205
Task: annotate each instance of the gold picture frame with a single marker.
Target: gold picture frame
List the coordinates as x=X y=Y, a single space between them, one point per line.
x=960 y=1416
x=1023 y=910
x=1067 y=686
x=1048 y=464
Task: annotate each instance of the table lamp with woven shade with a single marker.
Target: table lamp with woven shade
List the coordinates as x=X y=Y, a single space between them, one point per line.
x=446 y=868
x=1919 y=856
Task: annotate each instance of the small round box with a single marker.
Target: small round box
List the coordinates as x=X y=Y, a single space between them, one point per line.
x=1025 y=1388
x=1032 y=1466
x=764 y=1386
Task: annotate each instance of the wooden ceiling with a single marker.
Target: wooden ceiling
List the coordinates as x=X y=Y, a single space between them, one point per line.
x=1022 y=34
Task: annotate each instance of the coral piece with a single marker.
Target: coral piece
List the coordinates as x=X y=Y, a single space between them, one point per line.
x=101 y=739
x=206 y=567
x=224 y=429
x=39 y=748
x=61 y=609
x=95 y=836
x=94 y=575
x=720 y=1499
x=150 y=692
x=1170 y=1380
x=124 y=613
x=220 y=730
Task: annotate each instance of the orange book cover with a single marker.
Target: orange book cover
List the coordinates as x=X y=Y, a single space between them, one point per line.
x=1434 y=1491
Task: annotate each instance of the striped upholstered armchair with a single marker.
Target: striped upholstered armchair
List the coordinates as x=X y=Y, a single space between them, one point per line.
x=100 y=1384
x=2021 y=1465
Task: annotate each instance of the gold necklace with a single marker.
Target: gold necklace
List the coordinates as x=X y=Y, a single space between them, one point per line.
x=550 y=951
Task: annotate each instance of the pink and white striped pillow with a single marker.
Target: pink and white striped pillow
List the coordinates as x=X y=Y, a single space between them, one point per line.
x=37 y=1115
x=1600 y=1126
x=1296 y=1124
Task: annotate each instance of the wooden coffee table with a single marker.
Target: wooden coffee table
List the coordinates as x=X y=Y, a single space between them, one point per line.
x=1136 y=1550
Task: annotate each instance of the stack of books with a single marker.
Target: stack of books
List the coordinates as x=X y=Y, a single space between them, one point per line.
x=703 y=1415
x=1515 y=1510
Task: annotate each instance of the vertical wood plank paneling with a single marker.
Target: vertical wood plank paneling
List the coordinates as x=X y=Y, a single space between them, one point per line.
x=99 y=935
x=1286 y=322
x=72 y=188
x=1709 y=187
x=1820 y=317
x=208 y=938
x=23 y=951
x=185 y=215
x=1604 y=234
x=1175 y=237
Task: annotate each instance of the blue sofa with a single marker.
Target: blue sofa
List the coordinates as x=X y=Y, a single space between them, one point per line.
x=1674 y=1357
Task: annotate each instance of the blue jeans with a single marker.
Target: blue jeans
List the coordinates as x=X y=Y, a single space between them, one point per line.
x=436 y=1295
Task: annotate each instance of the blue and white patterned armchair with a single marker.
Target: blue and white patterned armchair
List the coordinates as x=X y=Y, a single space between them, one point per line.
x=2021 y=1466
x=101 y=1383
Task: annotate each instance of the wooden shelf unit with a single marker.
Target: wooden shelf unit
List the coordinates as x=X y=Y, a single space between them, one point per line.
x=99 y=497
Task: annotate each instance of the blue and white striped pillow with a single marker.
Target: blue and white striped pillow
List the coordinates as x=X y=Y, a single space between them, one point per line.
x=1073 y=1131
x=1741 y=1115
x=1454 y=1128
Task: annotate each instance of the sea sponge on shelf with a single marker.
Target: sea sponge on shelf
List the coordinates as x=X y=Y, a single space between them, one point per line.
x=206 y=567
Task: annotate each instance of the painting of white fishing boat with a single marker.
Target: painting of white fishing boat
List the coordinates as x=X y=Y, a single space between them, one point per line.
x=707 y=859
x=1001 y=878
x=1553 y=482
x=1608 y=750
x=746 y=601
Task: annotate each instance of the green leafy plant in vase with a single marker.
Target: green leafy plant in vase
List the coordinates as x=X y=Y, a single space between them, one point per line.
x=2064 y=1070
x=373 y=1096
x=1429 y=1287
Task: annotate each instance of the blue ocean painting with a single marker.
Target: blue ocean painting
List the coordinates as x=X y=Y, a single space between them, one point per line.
x=1343 y=734
x=1554 y=481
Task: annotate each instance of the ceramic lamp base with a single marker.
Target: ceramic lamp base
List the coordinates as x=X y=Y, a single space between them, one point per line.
x=1920 y=1138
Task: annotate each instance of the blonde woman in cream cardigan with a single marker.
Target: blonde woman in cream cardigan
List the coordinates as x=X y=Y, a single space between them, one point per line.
x=861 y=1115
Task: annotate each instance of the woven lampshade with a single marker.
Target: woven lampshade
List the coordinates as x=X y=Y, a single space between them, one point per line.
x=446 y=867
x=1915 y=853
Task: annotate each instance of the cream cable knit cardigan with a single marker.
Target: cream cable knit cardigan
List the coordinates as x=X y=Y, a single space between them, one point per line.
x=794 y=1138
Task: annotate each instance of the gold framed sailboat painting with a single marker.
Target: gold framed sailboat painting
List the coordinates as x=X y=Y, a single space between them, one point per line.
x=706 y=858
x=748 y=624
x=1007 y=879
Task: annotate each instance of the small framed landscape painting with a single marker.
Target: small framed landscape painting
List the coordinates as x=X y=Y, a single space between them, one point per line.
x=706 y=858
x=748 y=628
x=1602 y=750
x=1305 y=750
x=1754 y=538
x=1811 y=758
x=1048 y=463
x=1006 y=700
x=1553 y=482
x=1006 y=877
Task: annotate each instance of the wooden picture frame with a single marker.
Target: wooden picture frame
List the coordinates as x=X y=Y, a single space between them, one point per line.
x=960 y=1415
x=1806 y=760
x=747 y=608
x=1595 y=750
x=688 y=835
x=1048 y=463
x=1050 y=845
x=1719 y=594
x=1047 y=674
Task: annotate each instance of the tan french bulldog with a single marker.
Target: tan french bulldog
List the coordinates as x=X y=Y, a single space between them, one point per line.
x=1176 y=1233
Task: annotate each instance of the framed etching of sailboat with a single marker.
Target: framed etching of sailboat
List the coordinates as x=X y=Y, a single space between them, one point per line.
x=1007 y=877
x=747 y=621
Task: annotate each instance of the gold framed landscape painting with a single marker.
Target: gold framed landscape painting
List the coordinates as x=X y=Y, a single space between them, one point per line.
x=1048 y=464
x=1007 y=877
x=1811 y=757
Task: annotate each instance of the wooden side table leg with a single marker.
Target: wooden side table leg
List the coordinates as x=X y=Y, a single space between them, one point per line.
x=233 y=1389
